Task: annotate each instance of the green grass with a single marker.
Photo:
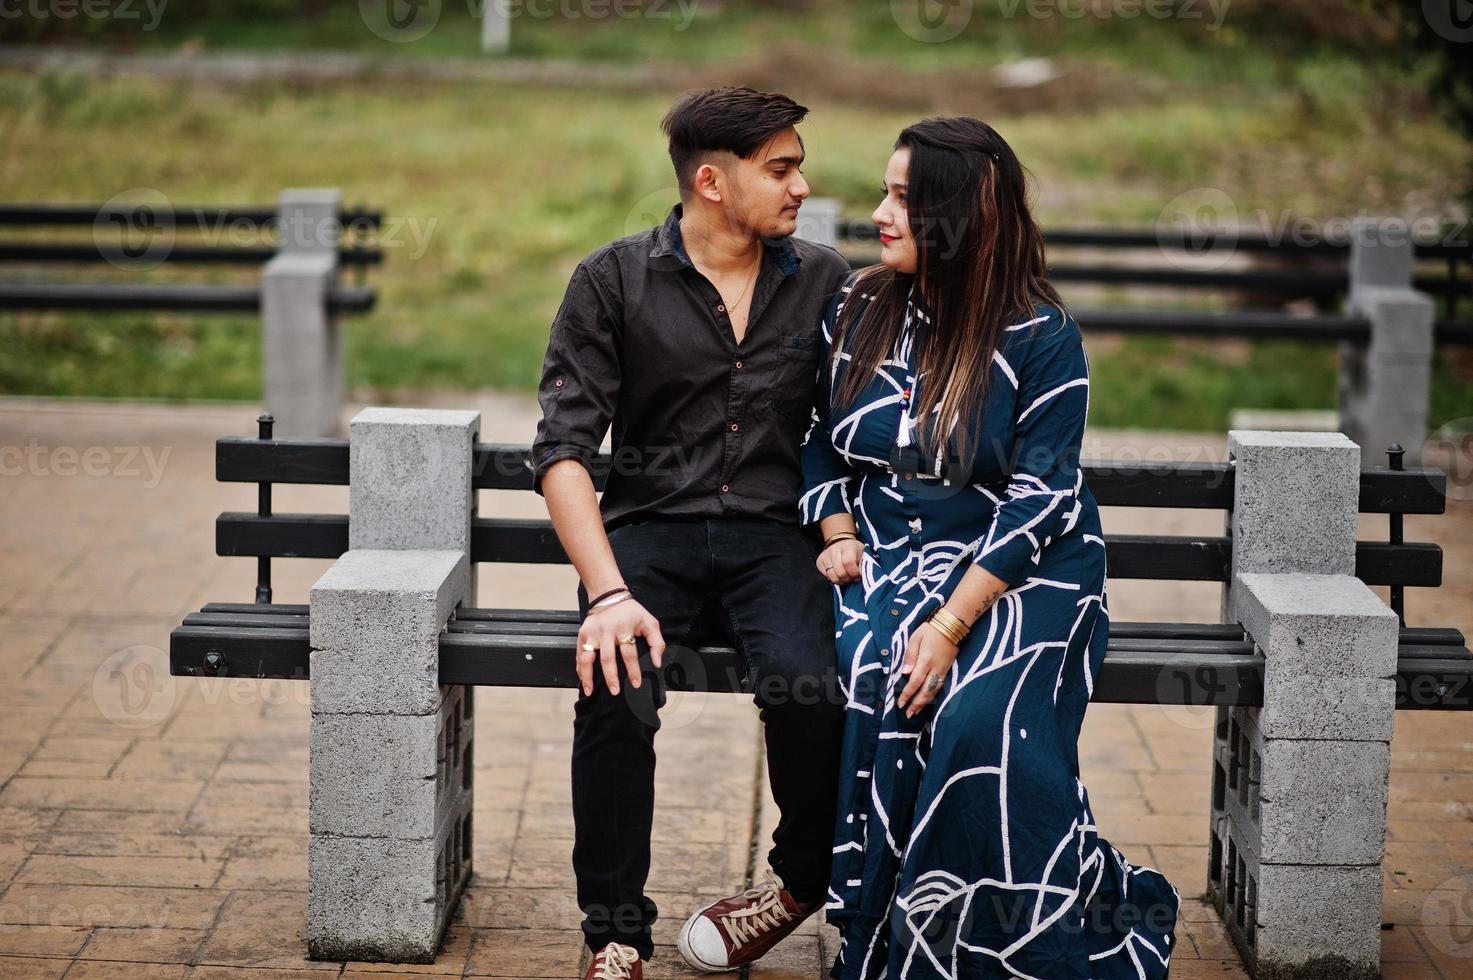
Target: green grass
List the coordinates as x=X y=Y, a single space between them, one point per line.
x=512 y=185
x=1248 y=43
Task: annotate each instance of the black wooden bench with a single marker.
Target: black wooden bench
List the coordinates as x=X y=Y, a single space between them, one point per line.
x=1146 y=663
x=95 y=234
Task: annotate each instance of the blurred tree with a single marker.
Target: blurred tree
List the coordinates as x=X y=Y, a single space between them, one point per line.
x=1437 y=45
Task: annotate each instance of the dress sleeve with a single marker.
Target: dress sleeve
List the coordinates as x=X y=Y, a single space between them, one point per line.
x=826 y=474
x=580 y=377
x=1042 y=500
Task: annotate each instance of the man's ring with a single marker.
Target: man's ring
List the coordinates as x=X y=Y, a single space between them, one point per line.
x=589 y=648
x=627 y=639
x=933 y=682
x=828 y=568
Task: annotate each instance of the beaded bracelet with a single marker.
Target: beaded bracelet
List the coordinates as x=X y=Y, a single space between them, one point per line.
x=594 y=602
x=613 y=602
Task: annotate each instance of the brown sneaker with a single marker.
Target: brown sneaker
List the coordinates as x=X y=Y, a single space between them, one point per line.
x=738 y=930
x=615 y=962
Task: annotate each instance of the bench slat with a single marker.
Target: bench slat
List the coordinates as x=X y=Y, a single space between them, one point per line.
x=1410 y=636
x=1177 y=558
x=1132 y=483
x=1136 y=670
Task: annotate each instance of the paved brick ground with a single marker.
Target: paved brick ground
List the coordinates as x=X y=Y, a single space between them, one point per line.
x=154 y=828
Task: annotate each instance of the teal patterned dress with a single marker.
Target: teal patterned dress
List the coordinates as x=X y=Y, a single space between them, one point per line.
x=964 y=844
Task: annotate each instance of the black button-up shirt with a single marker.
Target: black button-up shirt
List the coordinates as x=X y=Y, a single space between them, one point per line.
x=702 y=426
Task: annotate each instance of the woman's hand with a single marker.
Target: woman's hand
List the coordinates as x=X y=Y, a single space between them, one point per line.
x=603 y=628
x=928 y=653
x=840 y=561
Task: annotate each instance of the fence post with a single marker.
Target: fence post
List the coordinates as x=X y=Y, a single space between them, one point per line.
x=495 y=26
x=1385 y=385
x=818 y=220
x=301 y=348
x=391 y=771
x=1299 y=786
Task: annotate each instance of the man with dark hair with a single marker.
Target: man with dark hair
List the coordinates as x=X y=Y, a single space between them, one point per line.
x=698 y=342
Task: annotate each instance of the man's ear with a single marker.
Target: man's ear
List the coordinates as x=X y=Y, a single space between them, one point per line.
x=708 y=182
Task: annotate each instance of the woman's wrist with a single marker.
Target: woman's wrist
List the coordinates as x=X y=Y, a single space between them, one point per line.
x=610 y=597
x=949 y=625
x=961 y=614
x=842 y=535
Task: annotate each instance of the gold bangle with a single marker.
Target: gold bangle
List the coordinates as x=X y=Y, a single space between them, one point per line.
x=953 y=619
x=839 y=536
x=949 y=625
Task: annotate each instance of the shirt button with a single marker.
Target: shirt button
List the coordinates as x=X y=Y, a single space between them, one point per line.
x=739 y=365
x=558 y=383
x=895 y=612
x=721 y=308
x=725 y=488
x=735 y=427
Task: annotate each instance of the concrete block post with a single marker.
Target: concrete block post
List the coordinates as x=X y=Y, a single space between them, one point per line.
x=496 y=26
x=391 y=771
x=301 y=347
x=1385 y=385
x=1299 y=786
x=818 y=220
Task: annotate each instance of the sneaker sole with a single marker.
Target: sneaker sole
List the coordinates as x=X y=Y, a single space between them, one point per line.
x=693 y=961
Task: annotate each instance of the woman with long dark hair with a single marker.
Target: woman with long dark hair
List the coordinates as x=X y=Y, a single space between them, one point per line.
x=969 y=578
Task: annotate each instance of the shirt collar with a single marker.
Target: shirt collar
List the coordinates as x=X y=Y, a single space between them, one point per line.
x=668 y=242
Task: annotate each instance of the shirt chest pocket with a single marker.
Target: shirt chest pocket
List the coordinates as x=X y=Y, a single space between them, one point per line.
x=795 y=373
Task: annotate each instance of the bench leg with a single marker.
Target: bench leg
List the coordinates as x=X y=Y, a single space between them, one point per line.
x=1299 y=786
x=391 y=759
x=390 y=849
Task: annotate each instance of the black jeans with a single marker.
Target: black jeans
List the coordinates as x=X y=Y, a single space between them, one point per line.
x=746 y=583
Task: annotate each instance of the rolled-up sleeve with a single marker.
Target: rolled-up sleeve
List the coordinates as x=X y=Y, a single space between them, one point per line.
x=1042 y=499
x=580 y=376
x=827 y=476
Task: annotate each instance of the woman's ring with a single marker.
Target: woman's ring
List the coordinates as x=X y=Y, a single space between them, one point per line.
x=627 y=639
x=589 y=648
x=933 y=682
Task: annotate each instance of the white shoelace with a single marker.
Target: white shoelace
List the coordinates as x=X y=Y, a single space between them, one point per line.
x=615 y=962
x=765 y=912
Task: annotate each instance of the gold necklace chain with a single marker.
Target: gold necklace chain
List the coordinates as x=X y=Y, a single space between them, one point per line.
x=743 y=294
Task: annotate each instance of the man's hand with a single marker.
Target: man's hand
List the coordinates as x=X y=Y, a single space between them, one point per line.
x=840 y=561
x=603 y=628
x=927 y=653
